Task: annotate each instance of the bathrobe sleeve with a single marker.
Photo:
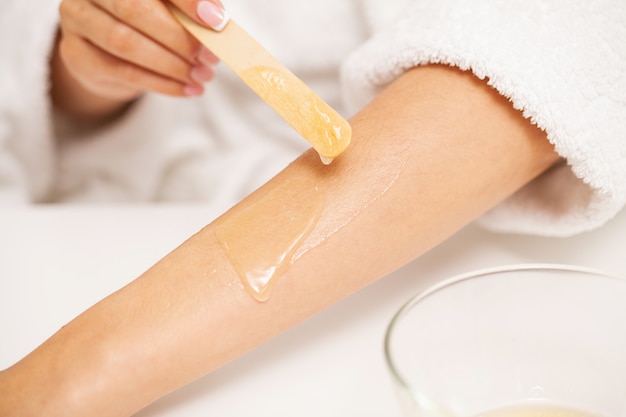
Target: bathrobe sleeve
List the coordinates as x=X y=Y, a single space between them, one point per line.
x=562 y=63
x=27 y=32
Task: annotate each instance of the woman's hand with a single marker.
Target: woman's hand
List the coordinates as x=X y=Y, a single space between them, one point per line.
x=111 y=51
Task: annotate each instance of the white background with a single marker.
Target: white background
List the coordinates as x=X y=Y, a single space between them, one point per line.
x=57 y=261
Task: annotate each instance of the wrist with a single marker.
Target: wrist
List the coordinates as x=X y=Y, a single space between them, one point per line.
x=19 y=398
x=74 y=381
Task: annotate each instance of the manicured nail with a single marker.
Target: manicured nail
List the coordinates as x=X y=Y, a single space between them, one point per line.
x=207 y=57
x=213 y=15
x=193 y=90
x=201 y=74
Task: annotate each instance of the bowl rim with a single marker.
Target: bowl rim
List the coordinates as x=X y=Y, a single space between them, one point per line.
x=455 y=279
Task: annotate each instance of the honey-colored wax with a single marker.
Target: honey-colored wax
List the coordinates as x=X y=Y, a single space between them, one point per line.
x=292 y=99
x=261 y=236
x=539 y=409
x=308 y=114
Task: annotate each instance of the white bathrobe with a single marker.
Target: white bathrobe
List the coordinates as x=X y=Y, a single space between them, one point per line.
x=562 y=62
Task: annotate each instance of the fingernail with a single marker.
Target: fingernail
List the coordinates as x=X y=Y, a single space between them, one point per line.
x=207 y=57
x=193 y=90
x=201 y=74
x=213 y=15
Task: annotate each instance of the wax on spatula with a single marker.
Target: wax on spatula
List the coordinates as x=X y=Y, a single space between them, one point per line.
x=292 y=99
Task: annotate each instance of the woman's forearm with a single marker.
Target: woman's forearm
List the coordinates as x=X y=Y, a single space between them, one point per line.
x=435 y=150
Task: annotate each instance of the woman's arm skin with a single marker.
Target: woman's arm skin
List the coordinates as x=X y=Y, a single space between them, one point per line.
x=432 y=152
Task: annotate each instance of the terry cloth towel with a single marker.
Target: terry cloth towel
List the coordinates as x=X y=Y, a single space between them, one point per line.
x=562 y=63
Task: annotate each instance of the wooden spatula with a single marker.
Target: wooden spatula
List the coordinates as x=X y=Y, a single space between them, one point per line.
x=292 y=99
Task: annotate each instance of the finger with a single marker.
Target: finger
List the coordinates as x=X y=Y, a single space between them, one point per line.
x=209 y=13
x=125 y=43
x=207 y=57
x=154 y=20
x=109 y=76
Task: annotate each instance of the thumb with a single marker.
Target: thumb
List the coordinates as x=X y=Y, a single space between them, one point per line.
x=209 y=13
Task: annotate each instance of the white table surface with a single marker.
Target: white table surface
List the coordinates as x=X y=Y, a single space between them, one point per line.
x=57 y=261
